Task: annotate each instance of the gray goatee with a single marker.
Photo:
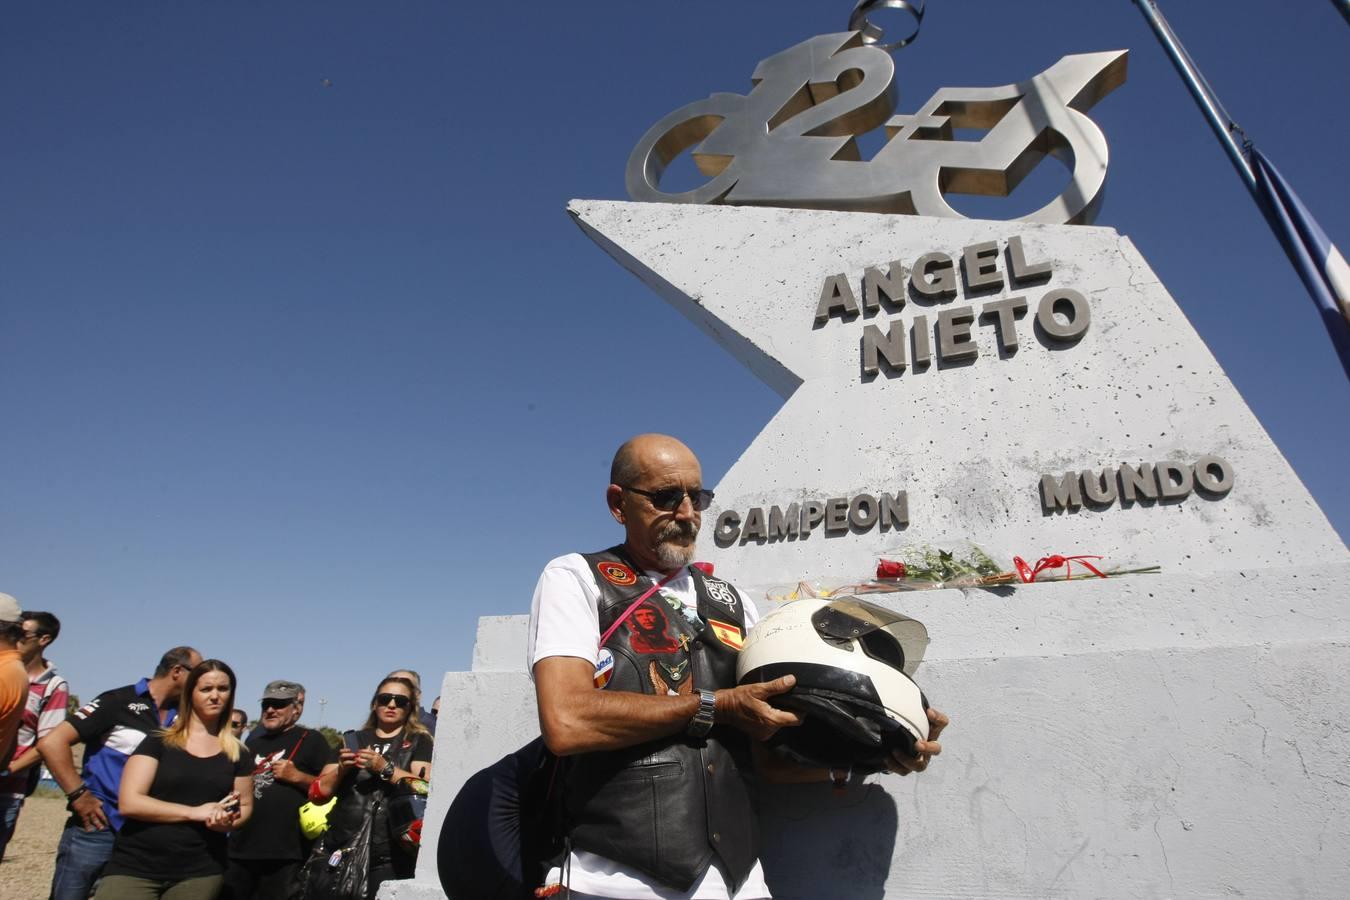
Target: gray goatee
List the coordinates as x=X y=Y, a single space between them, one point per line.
x=675 y=545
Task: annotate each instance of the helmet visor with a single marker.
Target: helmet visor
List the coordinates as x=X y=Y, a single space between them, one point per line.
x=847 y=619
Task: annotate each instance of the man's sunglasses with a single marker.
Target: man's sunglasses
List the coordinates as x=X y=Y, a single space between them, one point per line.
x=398 y=700
x=276 y=704
x=669 y=499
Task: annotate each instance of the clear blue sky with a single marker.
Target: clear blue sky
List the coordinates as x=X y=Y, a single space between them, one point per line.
x=314 y=376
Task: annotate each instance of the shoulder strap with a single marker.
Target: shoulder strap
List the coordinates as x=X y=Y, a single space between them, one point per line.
x=636 y=603
x=296 y=748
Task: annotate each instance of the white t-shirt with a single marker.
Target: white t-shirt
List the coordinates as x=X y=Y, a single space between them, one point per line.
x=565 y=621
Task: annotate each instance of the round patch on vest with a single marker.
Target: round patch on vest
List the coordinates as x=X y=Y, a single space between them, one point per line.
x=616 y=573
x=604 y=668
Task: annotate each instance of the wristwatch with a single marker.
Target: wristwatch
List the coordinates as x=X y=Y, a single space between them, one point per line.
x=387 y=773
x=702 y=722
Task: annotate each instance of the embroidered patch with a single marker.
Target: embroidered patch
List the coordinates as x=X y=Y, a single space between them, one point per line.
x=676 y=672
x=660 y=684
x=721 y=592
x=604 y=668
x=649 y=630
x=616 y=573
x=727 y=634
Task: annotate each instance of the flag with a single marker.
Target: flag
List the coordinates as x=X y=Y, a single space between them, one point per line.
x=727 y=634
x=1321 y=266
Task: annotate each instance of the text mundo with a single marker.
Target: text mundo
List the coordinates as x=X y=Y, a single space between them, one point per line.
x=1166 y=480
x=796 y=521
x=1062 y=314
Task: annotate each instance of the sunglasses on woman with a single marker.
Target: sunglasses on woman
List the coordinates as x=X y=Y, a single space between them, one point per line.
x=398 y=700
x=669 y=499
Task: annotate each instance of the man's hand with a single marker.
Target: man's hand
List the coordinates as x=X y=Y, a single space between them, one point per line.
x=90 y=810
x=924 y=750
x=285 y=770
x=746 y=707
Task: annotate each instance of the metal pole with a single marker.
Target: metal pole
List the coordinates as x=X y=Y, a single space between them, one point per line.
x=1205 y=98
x=1344 y=7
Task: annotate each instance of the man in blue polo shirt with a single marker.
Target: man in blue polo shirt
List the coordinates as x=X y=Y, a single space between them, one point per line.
x=111 y=727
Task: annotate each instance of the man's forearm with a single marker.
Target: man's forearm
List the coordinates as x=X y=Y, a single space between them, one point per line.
x=598 y=720
x=300 y=779
x=27 y=758
x=57 y=755
x=330 y=779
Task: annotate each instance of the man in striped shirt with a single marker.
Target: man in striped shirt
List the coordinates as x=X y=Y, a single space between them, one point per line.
x=46 y=708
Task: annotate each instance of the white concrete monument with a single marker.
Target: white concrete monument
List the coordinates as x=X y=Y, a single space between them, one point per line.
x=1034 y=389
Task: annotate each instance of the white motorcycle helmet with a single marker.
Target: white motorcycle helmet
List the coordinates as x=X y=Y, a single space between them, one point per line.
x=853 y=661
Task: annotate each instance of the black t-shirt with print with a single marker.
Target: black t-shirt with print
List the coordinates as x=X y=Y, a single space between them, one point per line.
x=172 y=851
x=273 y=832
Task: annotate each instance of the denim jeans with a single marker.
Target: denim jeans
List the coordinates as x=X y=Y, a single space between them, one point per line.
x=80 y=858
x=9 y=816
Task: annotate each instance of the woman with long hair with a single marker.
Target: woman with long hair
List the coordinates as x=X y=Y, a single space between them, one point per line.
x=183 y=790
x=392 y=748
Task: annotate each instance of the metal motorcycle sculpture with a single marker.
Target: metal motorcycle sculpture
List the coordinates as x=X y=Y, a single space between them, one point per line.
x=791 y=140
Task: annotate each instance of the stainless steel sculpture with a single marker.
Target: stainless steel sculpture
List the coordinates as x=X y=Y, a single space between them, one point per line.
x=871 y=34
x=791 y=140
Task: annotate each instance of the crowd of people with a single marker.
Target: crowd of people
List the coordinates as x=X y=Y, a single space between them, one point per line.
x=648 y=761
x=180 y=796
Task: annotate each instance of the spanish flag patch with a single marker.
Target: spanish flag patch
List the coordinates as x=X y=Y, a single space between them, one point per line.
x=727 y=634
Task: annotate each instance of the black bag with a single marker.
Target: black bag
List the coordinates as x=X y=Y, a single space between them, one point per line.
x=348 y=879
x=504 y=829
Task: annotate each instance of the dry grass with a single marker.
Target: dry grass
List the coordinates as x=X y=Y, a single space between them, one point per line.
x=26 y=873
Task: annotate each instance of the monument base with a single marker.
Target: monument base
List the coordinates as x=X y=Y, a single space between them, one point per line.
x=1177 y=735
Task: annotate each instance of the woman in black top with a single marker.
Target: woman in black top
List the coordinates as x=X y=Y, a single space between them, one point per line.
x=392 y=747
x=182 y=791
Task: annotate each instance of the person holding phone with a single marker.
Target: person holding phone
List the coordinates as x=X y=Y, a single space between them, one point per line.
x=183 y=790
x=393 y=746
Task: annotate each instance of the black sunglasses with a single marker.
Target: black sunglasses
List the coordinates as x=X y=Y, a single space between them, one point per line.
x=276 y=704
x=398 y=700
x=669 y=499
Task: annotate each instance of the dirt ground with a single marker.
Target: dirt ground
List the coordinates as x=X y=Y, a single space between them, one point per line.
x=26 y=873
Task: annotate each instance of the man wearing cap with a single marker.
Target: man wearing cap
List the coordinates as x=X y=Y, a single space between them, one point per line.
x=111 y=727
x=265 y=857
x=13 y=675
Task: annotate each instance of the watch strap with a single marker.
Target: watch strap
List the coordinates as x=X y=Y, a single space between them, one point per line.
x=702 y=722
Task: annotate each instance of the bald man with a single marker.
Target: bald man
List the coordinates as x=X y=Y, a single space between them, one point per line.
x=657 y=731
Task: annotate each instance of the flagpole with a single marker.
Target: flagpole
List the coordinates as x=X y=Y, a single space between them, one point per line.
x=1324 y=272
x=1209 y=104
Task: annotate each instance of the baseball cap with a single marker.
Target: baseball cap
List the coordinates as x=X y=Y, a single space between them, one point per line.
x=283 y=690
x=10 y=610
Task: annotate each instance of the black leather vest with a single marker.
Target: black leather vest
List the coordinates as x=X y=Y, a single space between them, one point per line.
x=666 y=807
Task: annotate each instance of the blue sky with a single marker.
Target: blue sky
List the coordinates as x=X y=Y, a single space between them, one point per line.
x=313 y=375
